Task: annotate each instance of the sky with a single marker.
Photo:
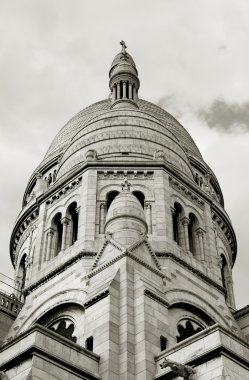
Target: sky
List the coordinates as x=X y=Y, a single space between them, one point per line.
x=193 y=60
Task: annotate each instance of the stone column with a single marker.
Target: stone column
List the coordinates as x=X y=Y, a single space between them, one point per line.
x=124 y=89
x=200 y=244
x=65 y=233
x=102 y=217
x=130 y=91
x=230 y=293
x=49 y=254
x=148 y=217
x=184 y=238
x=118 y=90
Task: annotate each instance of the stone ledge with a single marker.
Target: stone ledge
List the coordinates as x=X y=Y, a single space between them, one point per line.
x=208 y=344
x=44 y=343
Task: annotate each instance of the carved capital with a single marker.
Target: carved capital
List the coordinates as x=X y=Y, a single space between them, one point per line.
x=200 y=231
x=50 y=231
x=172 y=208
x=148 y=205
x=185 y=221
x=65 y=220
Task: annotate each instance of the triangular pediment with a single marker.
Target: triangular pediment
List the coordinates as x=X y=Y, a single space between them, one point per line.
x=141 y=250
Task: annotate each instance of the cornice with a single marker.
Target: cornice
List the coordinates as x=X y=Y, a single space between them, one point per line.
x=96 y=299
x=186 y=192
x=189 y=267
x=129 y=174
x=125 y=253
x=32 y=212
x=224 y=225
x=64 y=191
x=204 y=168
x=156 y=298
x=35 y=350
x=206 y=356
x=58 y=270
x=42 y=169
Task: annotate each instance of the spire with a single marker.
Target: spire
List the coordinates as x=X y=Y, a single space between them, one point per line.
x=124 y=82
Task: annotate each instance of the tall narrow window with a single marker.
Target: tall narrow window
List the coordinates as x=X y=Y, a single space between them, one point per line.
x=140 y=196
x=74 y=218
x=163 y=343
x=176 y=222
x=121 y=90
x=89 y=343
x=110 y=197
x=59 y=229
x=191 y=233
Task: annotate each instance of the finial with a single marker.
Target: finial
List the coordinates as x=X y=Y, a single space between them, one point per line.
x=122 y=43
x=126 y=185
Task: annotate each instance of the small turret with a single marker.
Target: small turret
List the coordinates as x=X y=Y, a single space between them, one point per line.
x=125 y=219
x=124 y=82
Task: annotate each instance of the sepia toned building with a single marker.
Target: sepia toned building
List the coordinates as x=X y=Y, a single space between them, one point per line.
x=123 y=254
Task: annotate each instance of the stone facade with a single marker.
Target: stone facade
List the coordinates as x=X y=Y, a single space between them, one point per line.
x=123 y=253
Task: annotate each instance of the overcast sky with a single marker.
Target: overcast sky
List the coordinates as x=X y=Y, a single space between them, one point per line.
x=192 y=57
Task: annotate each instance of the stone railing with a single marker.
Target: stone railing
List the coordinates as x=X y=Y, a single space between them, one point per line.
x=10 y=303
x=10 y=298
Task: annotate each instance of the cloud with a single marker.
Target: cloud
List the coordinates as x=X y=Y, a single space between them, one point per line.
x=227 y=117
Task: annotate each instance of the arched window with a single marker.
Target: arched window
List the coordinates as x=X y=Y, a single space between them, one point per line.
x=58 y=233
x=74 y=221
x=177 y=214
x=191 y=233
x=64 y=319
x=110 y=197
x=64 y=327
x=140 y=196
x=186 y=328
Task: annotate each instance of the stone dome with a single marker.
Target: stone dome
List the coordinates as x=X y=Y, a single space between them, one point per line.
x=76 y=137
x=125 y=219
x=80 y=120
x=118 y=60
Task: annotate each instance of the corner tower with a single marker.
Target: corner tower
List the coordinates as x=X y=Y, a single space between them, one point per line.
x=123 y=252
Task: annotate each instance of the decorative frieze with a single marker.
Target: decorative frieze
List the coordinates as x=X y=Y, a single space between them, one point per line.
x=125 y=174
x=24 y=230
x=186 y=192
x=63 y=191
x=223 y=232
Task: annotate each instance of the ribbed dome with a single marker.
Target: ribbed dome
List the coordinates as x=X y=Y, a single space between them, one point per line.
x=78 y=122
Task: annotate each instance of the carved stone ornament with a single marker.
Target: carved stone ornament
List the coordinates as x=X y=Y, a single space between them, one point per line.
x=3 y=376
x=159 y=155
x=91 y=155
x=179 y=369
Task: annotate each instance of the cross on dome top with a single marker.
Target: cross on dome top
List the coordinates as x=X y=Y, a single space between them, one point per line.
x=122 y=43
x=124 y=82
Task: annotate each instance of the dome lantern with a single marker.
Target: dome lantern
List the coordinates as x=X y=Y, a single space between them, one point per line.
x=124 y=82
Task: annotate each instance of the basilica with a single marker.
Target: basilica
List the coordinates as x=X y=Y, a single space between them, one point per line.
x=123 y=253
